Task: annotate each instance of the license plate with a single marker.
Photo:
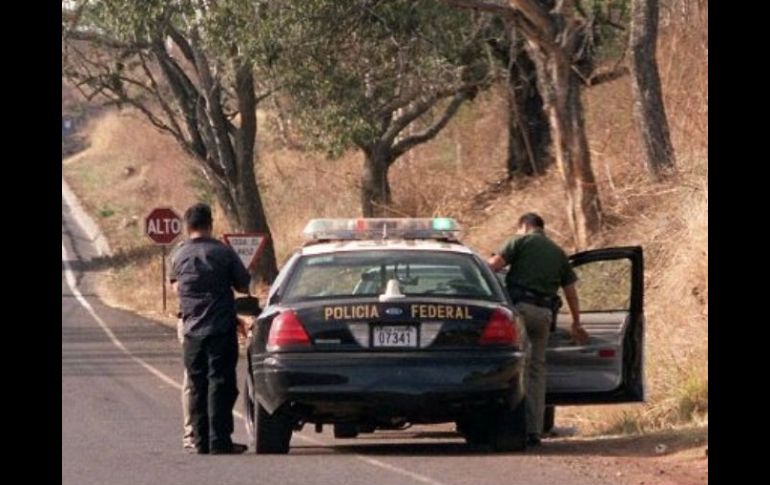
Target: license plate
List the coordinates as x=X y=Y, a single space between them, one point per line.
x=394 y=336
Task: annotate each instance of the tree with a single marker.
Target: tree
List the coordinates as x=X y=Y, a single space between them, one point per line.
x=555 y=33
x=649 y=110
x=177 y=63
x=529 y=136
x=380 y=76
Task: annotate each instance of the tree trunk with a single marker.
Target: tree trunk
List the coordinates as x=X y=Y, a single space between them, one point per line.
x=241 y=202
x=528 y=133
x=251 y=211
x=561 y=89
x=521 y=158
x=375 y=188
x=251 y=214
x=649 y=110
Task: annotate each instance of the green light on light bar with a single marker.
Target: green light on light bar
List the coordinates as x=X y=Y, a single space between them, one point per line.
x=443 y=224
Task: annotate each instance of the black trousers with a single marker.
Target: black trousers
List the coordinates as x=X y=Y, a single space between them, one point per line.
x=210 y=362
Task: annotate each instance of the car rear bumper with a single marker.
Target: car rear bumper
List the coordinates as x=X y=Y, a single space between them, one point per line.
x=420 y=387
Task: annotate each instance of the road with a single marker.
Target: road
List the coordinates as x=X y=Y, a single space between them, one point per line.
x=122 y=418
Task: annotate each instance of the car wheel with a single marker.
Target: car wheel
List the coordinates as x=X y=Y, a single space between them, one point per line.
x=511 y=430
x=549 y=419
x=345 y=430
x=475 y=431
x=268 y=434
x=272 y=432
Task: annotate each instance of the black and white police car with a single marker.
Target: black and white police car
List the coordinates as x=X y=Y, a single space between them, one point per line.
x=383 y=323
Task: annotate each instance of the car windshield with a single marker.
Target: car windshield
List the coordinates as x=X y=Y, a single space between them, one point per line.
x=366 y=274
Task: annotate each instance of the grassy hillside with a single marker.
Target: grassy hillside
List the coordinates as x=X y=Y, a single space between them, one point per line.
x=129 y=168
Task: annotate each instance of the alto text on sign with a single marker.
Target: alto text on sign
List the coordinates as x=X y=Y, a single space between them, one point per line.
x=163 y=225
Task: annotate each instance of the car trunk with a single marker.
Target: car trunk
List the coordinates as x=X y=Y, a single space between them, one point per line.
x=406 y=324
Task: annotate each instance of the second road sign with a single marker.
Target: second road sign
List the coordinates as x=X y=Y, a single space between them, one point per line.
x=248 y=246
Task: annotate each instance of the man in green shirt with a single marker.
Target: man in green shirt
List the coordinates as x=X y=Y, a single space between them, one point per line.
x=538 y=268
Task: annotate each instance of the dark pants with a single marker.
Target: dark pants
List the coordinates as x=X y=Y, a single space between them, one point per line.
x=210 y=362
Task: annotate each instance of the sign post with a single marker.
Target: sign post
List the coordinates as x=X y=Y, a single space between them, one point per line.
x=247 y=245
x=163 y=226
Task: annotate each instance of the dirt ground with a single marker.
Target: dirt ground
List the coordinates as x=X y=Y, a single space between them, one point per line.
x=671 y=457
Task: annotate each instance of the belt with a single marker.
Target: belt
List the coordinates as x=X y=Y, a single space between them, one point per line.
x=537 y=301
x=521 y=294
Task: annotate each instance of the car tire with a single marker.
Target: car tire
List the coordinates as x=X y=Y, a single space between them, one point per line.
x=475 y=431
x=268 y=434
x=345 y=430
x=367 y=428
x=511 y=430
x=549 y=419
x=272 y=434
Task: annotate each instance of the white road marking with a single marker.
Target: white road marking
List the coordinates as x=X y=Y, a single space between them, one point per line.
x=72 y=283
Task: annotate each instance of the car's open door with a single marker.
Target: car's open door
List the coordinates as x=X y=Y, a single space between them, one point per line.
x=609 y=368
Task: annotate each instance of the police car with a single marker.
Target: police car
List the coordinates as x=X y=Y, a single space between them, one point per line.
x=384 y=323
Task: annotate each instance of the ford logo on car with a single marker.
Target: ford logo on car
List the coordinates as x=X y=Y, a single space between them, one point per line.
x=394 y=311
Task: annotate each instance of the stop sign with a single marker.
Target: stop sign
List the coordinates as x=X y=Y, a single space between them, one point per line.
x=162 y=225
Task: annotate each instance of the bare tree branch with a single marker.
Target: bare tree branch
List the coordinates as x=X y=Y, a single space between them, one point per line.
x=407 y=143
x=491 y=6
x=410 y=114
x=605 y=76
x=161 y=100
x=182 y=43
x=213 y=108
x=104 y=41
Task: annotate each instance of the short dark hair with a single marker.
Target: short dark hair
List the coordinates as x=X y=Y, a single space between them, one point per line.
x=198 y=217
x=532 y=219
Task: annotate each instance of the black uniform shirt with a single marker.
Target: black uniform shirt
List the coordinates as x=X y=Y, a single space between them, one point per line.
x=206 y=271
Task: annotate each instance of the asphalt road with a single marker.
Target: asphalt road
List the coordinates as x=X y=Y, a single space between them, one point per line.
x=122 y=417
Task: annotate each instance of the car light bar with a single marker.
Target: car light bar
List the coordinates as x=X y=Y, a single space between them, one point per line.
x=381 y=228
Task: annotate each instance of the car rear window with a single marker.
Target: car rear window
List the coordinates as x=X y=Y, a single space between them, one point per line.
x=366 y=273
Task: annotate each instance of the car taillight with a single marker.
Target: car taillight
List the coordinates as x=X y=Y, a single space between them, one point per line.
x=287 y=330
x=500 y=330
x=607 y=353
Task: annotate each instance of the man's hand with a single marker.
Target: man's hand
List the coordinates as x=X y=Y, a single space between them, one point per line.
x=244 y=326
x=579 y=334
x=496 y=262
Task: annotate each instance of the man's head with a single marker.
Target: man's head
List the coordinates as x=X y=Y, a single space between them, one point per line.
x=531 y=222
x=198 y=220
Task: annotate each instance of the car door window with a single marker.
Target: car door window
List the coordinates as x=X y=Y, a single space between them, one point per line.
x=603 y=286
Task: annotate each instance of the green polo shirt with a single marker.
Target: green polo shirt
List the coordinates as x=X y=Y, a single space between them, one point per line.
x=537 y=263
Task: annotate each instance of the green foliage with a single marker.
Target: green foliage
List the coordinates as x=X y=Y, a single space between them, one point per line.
x=693 y=397
x=130 y=20
x=106 y=212
x=346 y=67
x=139 y=22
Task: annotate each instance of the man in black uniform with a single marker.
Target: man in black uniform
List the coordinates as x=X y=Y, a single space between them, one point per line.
x=205 y=272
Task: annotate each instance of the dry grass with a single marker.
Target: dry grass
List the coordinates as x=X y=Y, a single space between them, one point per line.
x=670 y=220
x=127 y=170
x=456 y=175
